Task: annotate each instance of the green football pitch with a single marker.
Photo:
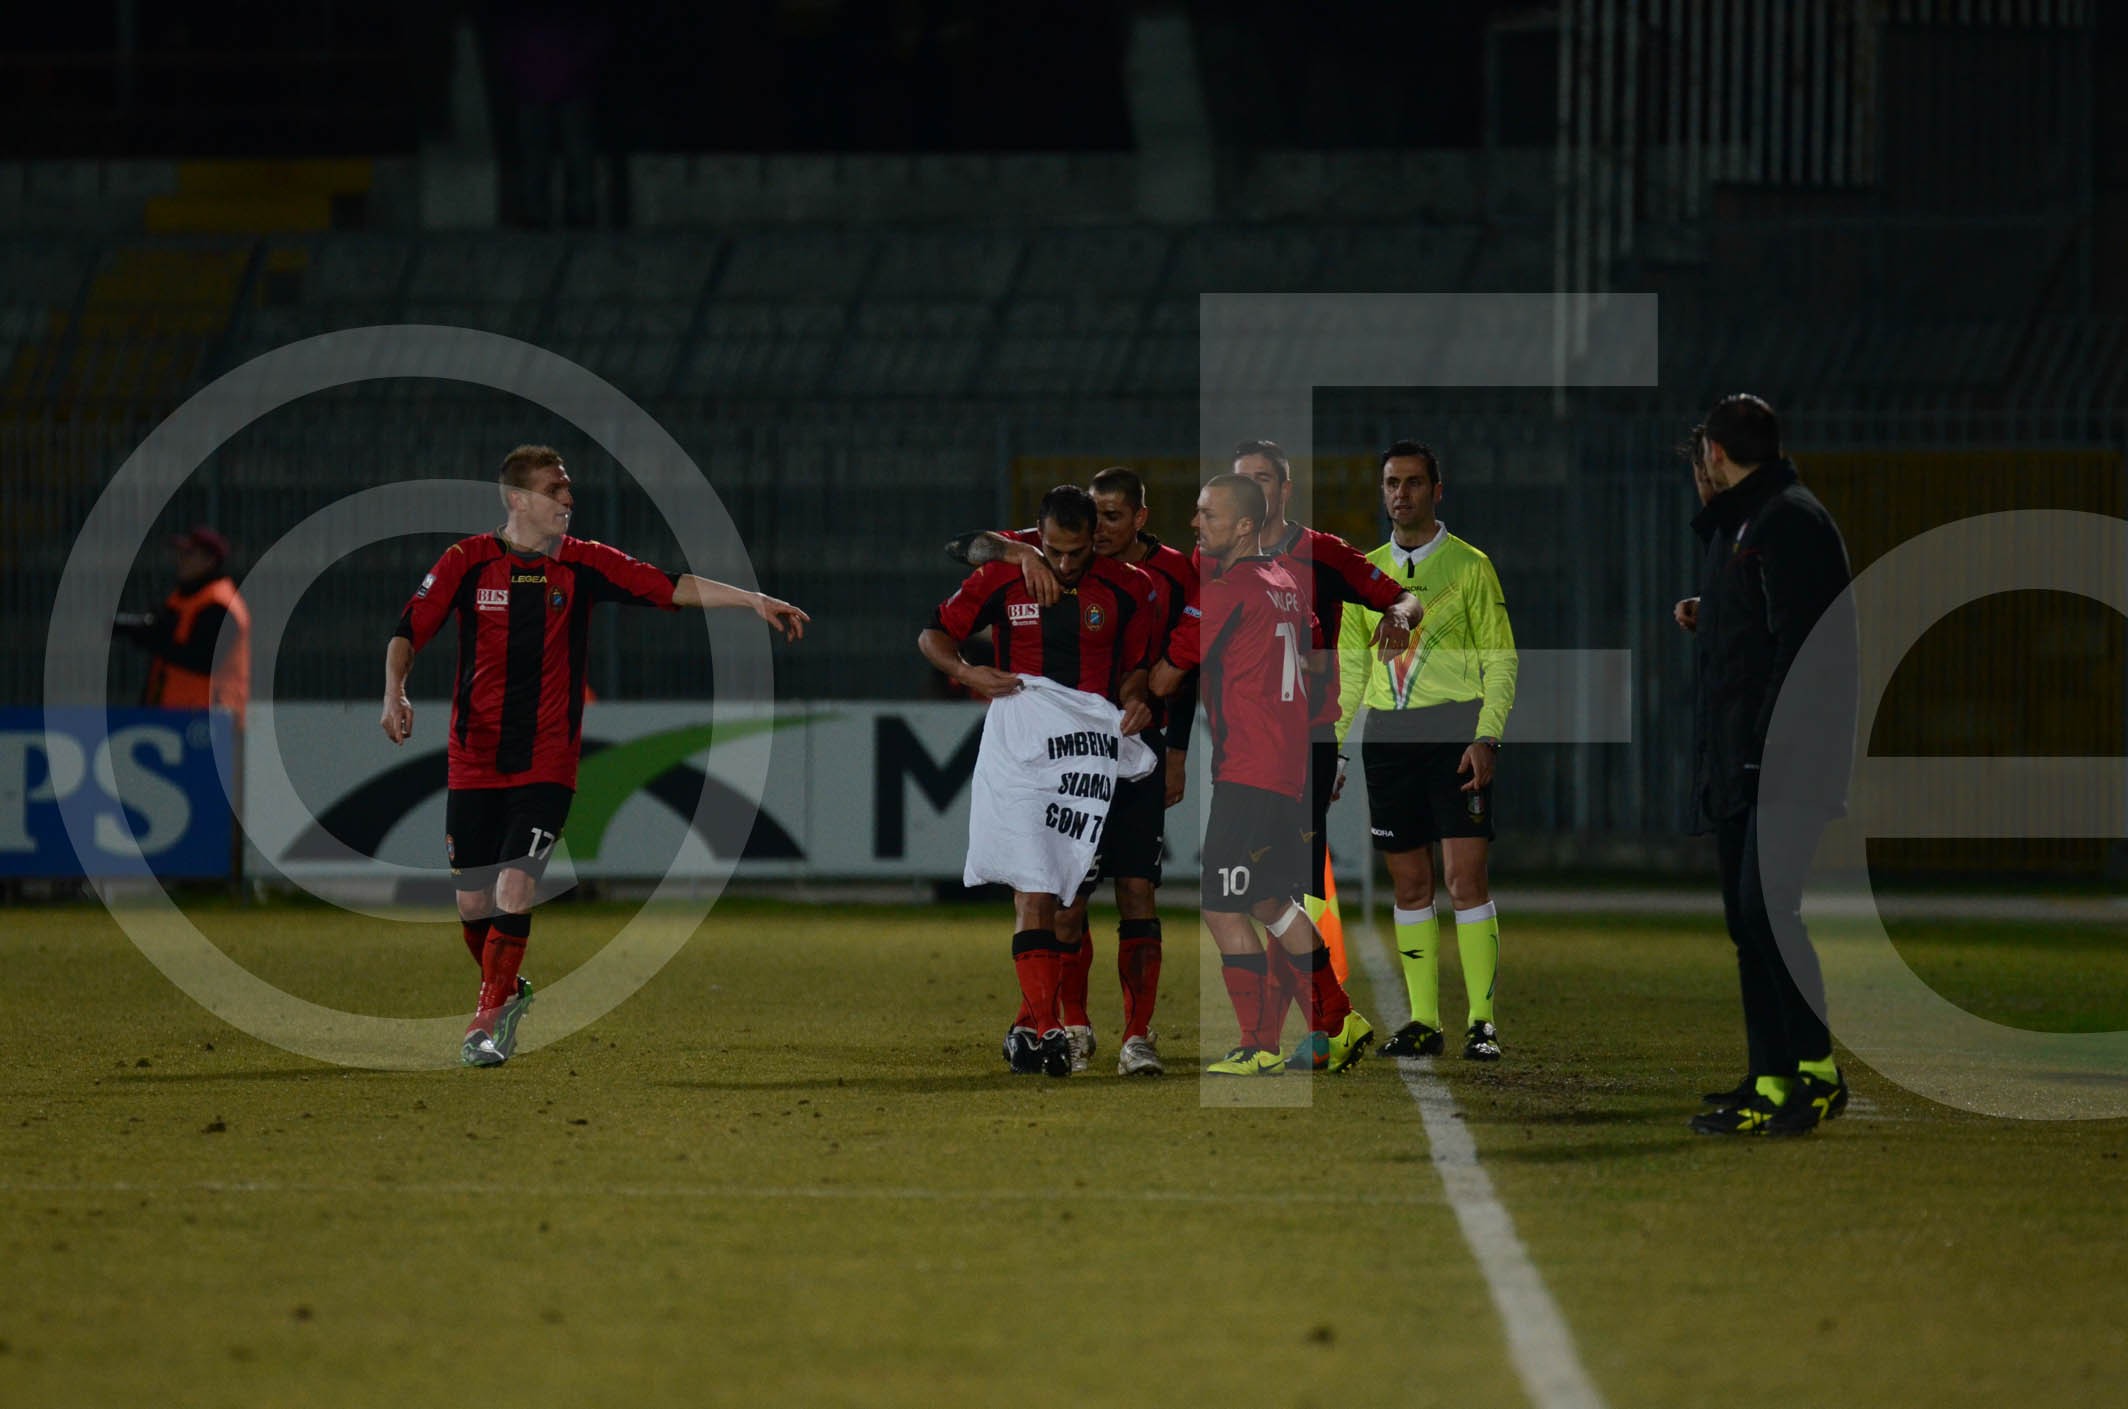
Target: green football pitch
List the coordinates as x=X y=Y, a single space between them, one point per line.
x=793 y=1170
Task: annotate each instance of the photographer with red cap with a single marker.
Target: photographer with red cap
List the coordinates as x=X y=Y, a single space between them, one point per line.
x=193 y=667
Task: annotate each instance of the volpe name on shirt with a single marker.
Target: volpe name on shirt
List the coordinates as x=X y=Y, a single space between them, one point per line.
x=1083 y=743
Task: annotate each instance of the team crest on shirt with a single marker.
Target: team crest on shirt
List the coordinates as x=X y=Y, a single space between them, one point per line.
x=1094 y=618
x=1022 y=613
x=558 y=600
x=450 y=850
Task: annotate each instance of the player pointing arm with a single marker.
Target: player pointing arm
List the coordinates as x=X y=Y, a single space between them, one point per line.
x=522 y=596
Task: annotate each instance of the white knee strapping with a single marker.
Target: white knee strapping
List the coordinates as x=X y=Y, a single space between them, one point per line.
x=1279 y=926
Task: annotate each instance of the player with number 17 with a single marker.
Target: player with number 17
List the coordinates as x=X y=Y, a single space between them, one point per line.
x=523 y=596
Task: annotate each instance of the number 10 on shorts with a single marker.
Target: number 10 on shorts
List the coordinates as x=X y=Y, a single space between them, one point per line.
x=1233 y=880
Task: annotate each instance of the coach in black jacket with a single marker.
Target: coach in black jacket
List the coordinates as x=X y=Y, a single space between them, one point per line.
x=1772 y=568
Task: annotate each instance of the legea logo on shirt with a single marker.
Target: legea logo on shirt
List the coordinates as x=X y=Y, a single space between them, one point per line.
x=1018 y=613
x=494 y=599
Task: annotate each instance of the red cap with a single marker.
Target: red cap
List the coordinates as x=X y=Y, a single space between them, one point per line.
x=205 y=539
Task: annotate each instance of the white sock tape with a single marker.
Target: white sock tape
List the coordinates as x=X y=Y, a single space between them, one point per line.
x=1279 y=926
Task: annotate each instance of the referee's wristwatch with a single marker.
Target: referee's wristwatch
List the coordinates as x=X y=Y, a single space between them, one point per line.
x=1491 y=741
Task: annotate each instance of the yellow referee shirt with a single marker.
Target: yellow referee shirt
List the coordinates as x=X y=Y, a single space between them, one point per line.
x=1463 y=650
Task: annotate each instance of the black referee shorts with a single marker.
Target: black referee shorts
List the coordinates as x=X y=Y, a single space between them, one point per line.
x=488 y=829
x=1415 y=796
x=1253 y=850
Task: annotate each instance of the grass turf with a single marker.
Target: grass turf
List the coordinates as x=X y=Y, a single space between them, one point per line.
x=794 y=1168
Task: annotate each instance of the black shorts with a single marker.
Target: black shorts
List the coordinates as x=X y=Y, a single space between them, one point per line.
x=487 y=829
x=1253 y=849
x=1322 y=777
x=1136 y=832
x=1415 y=796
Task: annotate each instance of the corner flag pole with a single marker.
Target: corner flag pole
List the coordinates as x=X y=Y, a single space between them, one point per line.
x=1332 y=924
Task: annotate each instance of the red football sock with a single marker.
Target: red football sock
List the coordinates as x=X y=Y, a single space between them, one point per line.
x=1327 y=1003
x=1077 y=967
x=498 y=967
x=1281 y=990
x=1138 y=966
x=1244 y=976
x=1040 y=965
x=476 y=940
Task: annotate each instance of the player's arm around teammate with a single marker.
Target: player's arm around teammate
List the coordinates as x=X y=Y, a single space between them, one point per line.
x=1094 y=639
x=1120 y=536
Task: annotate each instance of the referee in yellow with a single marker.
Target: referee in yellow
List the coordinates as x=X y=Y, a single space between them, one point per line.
x=1435 y=716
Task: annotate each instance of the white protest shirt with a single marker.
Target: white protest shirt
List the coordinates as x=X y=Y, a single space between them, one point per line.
x=1049 y=763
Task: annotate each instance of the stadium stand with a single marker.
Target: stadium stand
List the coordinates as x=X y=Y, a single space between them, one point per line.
x=932 y=372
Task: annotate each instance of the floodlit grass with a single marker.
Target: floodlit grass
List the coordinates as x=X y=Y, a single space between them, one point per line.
x=794 y=1170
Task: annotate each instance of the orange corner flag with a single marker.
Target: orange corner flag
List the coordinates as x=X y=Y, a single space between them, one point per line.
x=1332 y=925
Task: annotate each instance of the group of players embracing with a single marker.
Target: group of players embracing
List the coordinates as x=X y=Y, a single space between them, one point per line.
x=1283 y=631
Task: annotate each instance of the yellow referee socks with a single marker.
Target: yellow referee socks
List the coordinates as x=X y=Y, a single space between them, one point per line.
x=1478 y=944
x=1418 y=942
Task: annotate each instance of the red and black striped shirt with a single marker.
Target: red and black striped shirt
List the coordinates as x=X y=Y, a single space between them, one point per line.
x=1174 y=579
x=524 y=624
x=1100 y=630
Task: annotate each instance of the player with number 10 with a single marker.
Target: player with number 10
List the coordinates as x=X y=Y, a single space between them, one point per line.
x=1248 y=633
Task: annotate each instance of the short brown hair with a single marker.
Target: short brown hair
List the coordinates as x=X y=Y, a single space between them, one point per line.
x=518 y=465
x=1123 y=480
x=1270 y=450
x=1412 y=450
x=1247 y=494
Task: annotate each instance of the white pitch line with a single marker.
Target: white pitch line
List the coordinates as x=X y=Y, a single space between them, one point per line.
x=854 y=1192
x=1538 y=1339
